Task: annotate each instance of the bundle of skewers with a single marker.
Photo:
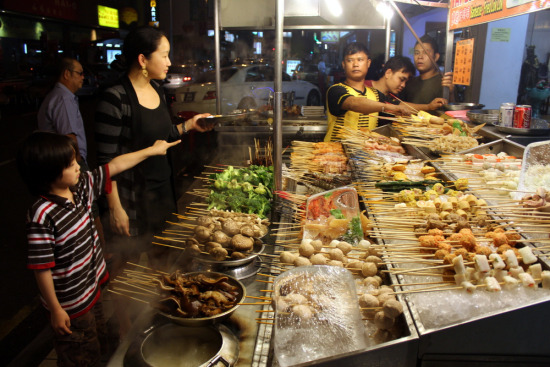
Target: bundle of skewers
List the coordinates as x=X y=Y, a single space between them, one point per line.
x=216 y=235
x=378 y=301
x=325 y=157
x=452 y=242
x=495 y=173
x=190 y=296
x=318 y=166
x=263 y=156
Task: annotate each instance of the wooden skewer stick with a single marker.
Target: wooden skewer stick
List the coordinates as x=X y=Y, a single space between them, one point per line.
x=260 y=298
x=125 y=295
x=144 y=267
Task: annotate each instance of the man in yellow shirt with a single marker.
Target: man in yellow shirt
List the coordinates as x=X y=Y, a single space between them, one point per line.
x=350 y=103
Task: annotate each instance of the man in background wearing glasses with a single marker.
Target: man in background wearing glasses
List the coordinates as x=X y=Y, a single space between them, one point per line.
x=60 y=113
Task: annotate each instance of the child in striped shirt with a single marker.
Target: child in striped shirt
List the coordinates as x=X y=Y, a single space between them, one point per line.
x=64 y=249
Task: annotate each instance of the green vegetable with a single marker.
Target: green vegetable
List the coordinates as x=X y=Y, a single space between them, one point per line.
x=247 y=190
x=233 y=184
x=355 y=232
x=220 y=184
x=260 y=190
x=337 y=213
x=247 y=187
x=457 y=125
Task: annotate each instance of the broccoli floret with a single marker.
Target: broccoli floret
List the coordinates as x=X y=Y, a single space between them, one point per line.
x=236 y=202
x=247 y=187
x=233 y=184
x=227 y=174
x=220 y=184
x=216 y=200
x=258 y=205
x=260 y=190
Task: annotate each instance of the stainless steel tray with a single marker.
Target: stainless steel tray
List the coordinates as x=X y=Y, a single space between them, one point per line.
x=483 y=116
x=518 y=131
x=497 y=146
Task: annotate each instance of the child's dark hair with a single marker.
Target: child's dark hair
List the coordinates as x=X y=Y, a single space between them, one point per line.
x=397 y=63
x=355 y=47
x=42 y=158
x=142 y=40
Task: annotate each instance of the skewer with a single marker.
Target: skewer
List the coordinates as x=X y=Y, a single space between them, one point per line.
x=260 y=298
x=125 y=295
x=145 y=267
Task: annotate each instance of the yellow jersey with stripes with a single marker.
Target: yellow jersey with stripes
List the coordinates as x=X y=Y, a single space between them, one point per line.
x=339 y=117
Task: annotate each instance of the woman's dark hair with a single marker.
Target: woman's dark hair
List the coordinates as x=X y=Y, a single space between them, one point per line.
x=355 y=47
x=397 y=63
x=42 y=158
x=142 y=40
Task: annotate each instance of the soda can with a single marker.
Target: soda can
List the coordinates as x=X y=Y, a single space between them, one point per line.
x=522 y=116
x=506 y=114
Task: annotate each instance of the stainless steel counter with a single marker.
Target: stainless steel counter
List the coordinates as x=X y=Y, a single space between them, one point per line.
x=512 y=336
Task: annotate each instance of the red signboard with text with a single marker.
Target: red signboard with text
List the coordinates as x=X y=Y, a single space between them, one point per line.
x=465 y=13
x=61 y=9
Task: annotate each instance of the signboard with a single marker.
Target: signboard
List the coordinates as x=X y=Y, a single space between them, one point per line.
x=291 y=66
x=500 y=35
x=464 y=56
x=108 y=17
x=66 y=9
x=153 y=22
x=465 y=13
x=330 y=36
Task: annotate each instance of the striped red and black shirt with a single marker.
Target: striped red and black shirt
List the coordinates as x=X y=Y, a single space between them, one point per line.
x=62 y=237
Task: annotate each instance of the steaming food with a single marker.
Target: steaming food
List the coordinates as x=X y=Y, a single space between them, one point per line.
x=196 y=295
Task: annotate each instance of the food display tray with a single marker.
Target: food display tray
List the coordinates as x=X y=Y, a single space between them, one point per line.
x=518 y=131
x=483 y=116
x=499 y=332
x=398 y=352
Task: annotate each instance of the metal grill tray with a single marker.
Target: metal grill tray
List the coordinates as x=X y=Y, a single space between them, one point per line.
x=519 y=131
x=483 y=116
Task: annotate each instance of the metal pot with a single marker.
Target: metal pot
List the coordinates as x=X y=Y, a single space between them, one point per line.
x=168 y=344
x=462 y=106
x=204 y=321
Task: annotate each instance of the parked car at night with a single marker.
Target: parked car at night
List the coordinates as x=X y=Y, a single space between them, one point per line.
x=241 y=87
x=180 y=75
x=307 y=72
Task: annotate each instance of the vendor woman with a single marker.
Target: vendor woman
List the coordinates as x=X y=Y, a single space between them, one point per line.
x=350 y=103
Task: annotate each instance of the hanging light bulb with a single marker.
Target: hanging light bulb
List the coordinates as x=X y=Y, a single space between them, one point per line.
x=334 y=7
x=385 y=9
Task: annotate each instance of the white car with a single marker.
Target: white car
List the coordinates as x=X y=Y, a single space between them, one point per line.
x=241 y=87
x=179 y=75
